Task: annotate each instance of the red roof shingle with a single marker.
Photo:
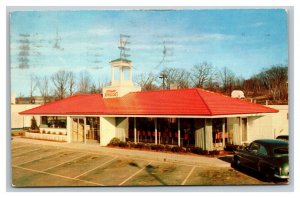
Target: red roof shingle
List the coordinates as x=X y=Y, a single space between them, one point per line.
x=194 y=102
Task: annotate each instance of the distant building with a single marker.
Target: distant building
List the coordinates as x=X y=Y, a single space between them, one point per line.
x=34 y=100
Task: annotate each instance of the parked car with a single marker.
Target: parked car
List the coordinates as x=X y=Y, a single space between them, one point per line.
x=283 y=137
x=268 y=157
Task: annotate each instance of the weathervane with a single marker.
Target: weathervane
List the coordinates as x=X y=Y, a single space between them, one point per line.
x=122 y=46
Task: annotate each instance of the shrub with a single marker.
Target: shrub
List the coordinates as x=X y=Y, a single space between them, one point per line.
x=205 y=152
x=158 y=147
x=231 y=147
x=60 y=133
x=196 y=150
x=140 y=145
x=148 y=146
x=168 y=148
x=43 y=131
x=122 y=144
x=48 y=132
x=154 y=147
x=34 y=125
x=114 y=142
x=131 y=144
x=177 y=149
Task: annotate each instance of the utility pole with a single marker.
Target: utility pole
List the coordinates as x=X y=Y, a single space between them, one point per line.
x=163 y=76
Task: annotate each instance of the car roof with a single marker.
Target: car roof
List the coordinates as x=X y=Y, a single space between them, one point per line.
x=272 y=142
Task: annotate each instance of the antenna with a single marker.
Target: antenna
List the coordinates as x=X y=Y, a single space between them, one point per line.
x=122 y=46
x=167 y=51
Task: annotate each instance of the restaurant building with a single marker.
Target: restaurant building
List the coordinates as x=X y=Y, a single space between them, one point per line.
x=183 y=117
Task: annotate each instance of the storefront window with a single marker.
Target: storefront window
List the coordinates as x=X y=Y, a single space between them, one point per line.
x=53 y=122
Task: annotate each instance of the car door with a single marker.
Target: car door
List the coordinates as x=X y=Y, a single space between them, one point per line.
x=262 y=155
x=252 y=156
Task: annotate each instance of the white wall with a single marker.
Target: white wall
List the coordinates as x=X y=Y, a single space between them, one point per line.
x=259 y=127
x=280 y=122
x=107 y=130
x=20 y=121
x=270 y=125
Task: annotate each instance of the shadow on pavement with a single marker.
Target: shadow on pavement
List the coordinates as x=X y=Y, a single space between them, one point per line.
x=150 y=170
x=227 y=158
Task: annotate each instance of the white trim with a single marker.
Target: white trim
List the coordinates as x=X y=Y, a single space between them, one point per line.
x=154 y=116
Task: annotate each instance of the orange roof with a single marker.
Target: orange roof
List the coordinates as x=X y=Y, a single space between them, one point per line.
x=185 y=102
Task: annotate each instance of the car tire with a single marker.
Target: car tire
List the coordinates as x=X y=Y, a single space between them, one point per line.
x=266 y=174
x=235 y=162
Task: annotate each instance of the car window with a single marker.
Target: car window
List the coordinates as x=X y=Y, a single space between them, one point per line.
x=281 y=151
x=254 y=148
x=262 y=150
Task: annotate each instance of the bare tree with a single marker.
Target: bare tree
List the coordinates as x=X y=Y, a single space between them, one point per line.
x=43 y=86
x=84 y=83
x=60 y=81
x=71 y=83
x=94 y=89
x=227 y=78
x=177 y=76
x=33 y=85
x=275 y=81
x=146 y=81
x=202 y=74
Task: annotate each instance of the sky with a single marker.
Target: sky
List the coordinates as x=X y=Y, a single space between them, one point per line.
x=44 y=42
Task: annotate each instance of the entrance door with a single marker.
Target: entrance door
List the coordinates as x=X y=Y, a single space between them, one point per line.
x=93 y=129
x=78 y=130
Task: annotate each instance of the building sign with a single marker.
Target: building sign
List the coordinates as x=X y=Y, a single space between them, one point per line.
x=111 y=93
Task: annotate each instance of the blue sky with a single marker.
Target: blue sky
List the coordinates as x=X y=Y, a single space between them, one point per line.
x=243 y=40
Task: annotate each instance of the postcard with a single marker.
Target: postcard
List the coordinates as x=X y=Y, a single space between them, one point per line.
x=177 y=97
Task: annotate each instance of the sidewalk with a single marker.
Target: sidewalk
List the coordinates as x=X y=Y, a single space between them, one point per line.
x=157 y=156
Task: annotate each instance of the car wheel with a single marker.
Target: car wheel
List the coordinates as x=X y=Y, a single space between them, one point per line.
x=236 y=162
x=267 y=174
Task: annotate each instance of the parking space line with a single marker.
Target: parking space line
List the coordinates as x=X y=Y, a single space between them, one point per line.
x=96 y=167
x=58 y=175
x=38 y=158
x=22 y=146
x=22 y=153
x=107 y=153
x=184 y=181
x=134 y=174
x=65 y=162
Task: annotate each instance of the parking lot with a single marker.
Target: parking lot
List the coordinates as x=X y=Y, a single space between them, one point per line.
x=37 y=164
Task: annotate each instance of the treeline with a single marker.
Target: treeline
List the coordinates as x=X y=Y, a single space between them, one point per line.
x=269 y=84
x=63 y=84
